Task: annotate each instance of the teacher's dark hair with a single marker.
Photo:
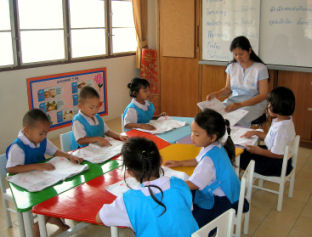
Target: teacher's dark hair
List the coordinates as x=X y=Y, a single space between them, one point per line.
x=243 y=43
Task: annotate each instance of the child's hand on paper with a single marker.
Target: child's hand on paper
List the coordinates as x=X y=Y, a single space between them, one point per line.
x=147 y=126
x=163 y=114
x=232 y=107
x=211 y=96
x=75 y=159
x=101 y=141
x=44 y=166
x=172 y=163
x=249 y=134
x=123 y=137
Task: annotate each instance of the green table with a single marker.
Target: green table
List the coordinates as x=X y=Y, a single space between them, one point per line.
x=25 y=200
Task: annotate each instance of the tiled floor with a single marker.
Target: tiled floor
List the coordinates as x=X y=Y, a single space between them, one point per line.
x=295 y=219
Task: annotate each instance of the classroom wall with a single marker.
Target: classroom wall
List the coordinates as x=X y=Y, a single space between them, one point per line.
x=14 y=100
x=152 y=24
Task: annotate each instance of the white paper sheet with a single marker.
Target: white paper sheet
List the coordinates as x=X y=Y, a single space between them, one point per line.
x=97 y=154
x=120 y=187
x=34 y=181
x=237 y=132
x=163 y=124
x=218 y=106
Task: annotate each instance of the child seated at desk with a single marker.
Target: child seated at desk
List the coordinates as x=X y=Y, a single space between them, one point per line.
x=88 y=126
x=214 y=182
x=269 y=157
x=161 y=206
x=140 y=111
x=27 y=152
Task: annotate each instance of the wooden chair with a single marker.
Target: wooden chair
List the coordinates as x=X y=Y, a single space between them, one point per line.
x=223 y=223
x=245 y=193
x=7 y=197
x=291 y=151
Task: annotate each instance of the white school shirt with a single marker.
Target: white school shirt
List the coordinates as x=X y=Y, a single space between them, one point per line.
x=280 y=134
x=244 y=82
x=16 y=155
x=80 y=131
x=205 y=173
x=132 y=116
x=115 y=214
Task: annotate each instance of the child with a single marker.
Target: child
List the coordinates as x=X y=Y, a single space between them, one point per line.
x=269 y=157
x=161 y=206
x=88 y=126
x=140 y=111
x=27 y=152
x=214 y=181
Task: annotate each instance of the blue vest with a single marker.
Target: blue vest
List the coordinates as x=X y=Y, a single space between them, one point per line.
x=91 y=130
x=226 y=179
x=144 y=212
x=32 y=155
x=143 y=116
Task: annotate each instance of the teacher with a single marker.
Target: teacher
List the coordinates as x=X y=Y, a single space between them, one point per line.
x=246 y=82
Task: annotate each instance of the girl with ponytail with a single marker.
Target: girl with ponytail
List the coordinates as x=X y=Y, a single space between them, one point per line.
x=161 y=206
x=214 y=182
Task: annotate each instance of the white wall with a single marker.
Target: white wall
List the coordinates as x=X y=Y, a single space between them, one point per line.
x=14 y=100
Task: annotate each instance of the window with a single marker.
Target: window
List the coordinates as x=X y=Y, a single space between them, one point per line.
x=6 y=47
x=64 y=30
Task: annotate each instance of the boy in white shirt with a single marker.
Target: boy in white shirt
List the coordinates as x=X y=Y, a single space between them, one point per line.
x=269 y=158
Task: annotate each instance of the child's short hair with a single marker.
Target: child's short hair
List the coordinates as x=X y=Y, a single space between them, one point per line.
x=33 y=116
x=282 y=101
x=88 y=92
x=214 y=123
x=136 y=84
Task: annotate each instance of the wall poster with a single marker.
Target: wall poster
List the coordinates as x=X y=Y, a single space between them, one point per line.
x=57 y=95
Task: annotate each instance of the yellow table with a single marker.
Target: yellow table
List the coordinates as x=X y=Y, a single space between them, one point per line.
x=189 y=151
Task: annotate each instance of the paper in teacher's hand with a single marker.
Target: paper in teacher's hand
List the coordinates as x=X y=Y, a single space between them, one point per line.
x=217 y=105
x=163 y=124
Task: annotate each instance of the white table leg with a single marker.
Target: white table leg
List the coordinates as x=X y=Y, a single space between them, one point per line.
x=42 y=226
x=28 y=223
x=114 y=231
x=237 y=161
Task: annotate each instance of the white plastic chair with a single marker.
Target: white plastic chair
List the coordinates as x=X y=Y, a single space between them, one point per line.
x=66 y=141
x=7 y=197
x=245 y=193
x=291 y=151
x=224 y=224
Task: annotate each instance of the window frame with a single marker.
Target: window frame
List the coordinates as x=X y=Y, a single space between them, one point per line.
x=16 y=40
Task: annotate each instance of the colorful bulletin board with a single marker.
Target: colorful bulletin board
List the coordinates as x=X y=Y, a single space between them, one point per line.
x=57 y=94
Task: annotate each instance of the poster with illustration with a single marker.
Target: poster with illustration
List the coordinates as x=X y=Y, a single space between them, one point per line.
x=57 y=95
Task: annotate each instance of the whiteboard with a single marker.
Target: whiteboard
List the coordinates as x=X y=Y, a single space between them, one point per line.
x=286 y=32
x=280 y=31
x=223 y=20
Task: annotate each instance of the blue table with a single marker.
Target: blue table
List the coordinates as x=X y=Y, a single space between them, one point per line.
x=174 y=135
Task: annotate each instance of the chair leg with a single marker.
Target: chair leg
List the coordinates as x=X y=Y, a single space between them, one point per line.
x=246 y=223
x=21 y=227
x=280 y=196
x=7 y=213
x=291 y=186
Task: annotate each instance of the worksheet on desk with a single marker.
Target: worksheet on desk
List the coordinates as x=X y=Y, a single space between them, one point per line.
x=97 y=154
x=163 y=124
x=34 y=181
x=217 y=105
x=123 y=186
x=237 y=133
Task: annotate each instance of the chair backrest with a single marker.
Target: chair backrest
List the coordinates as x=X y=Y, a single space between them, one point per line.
x=66 y=141
x=223 y=223
x=3 y=172
x=245 y=193
x=291 y=151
